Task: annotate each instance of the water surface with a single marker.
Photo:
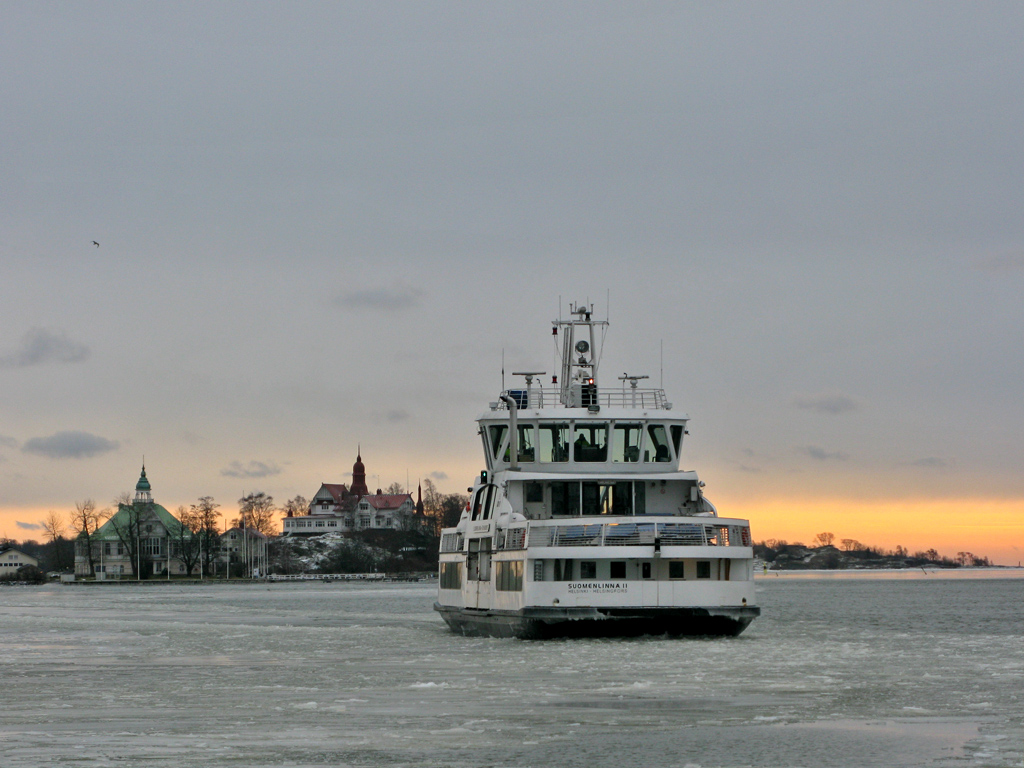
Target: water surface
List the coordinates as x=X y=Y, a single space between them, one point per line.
x=843 y=672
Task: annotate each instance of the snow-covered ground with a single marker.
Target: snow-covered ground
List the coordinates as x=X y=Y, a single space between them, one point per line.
x=865 y=672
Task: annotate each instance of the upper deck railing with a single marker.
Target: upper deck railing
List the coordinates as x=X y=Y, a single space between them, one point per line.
x=620 y=534
x=536 y=398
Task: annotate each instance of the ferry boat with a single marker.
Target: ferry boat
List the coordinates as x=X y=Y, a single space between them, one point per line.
x=582 y=523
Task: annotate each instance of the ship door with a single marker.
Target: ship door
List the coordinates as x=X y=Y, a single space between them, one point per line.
x=649 y=583
x=478 y=573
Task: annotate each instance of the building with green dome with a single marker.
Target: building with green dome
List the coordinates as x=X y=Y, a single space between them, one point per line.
x=141 y=539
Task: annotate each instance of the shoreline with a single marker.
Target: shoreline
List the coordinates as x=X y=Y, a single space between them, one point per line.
x=991 y=572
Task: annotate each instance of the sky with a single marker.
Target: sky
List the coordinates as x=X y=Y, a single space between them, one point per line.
x=323 y=226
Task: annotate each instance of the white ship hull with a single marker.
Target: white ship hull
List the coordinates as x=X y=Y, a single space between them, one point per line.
x=583 y=523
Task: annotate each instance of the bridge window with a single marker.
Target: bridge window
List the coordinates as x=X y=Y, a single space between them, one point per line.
x=497 y=438
x=677 y=437
x=554 y=442
x=657 y=445
x=590 y=441
x=526 y=449
x=626 y=446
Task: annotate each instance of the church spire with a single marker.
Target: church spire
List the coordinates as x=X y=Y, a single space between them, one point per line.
x=359 y=476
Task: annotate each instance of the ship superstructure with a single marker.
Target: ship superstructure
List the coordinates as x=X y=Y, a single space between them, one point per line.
x=582 y=522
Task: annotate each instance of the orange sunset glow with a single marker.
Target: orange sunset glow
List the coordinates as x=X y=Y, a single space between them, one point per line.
x=992 y=528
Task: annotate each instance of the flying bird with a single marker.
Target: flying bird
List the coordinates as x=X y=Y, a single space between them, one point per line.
x=95 y=243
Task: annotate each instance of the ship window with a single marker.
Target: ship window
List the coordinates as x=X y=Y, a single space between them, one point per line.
x=626 y=446
x=617 y=569
x=677 y=437
x=481 y=506
x=497 y=438
x=526 y=448
x=534 y=492
x=657 y=446
x=451 y=575
x=703 y=569
x=639 y=499
x=645 y=570
x=590 y=441
x=508 y=576
x=622 y=504
x=676 y=570
x=538 y=570
x=565 y=499
x=488 y=505
x=598 y=499
x=554 y=442
x=588 y=569
x=563 y=570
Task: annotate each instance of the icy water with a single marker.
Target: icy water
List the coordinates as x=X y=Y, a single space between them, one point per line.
x=844 y=672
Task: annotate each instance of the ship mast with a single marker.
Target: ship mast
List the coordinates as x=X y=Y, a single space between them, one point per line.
x=580 y=356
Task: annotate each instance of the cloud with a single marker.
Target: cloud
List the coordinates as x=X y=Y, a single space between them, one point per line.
x=8 y=442
x=252 y=469
x=931 y=462
x=41 y=345
x=1003 y=262
x=821 y=454
x=69 y=445
x=438 y=475
x=829 y=402
x=386 y=299
x=397 y=415
x=28 y=526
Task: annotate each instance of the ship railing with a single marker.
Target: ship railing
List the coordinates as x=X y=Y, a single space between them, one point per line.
x=536 y=398
x=513 y=537
x=638 y=534
x=452 y=542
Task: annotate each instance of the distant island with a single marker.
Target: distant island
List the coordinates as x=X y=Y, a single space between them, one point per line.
x=782 y=556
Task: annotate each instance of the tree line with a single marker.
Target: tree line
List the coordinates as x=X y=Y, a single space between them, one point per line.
x=831 y=556
x=196 y=533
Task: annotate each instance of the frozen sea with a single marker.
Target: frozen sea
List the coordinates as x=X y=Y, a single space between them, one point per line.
x=859 y=670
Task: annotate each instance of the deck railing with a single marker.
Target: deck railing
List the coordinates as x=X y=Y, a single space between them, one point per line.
x=550 y=397
x=639 y=534
x=521 y=535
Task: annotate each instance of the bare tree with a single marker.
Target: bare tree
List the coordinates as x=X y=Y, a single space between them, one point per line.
x=296 y=507
x=852 y=545
x=184 y=539
x=452 y=507
x=395 y=488
x=432 y=506
x=85 y=521
x=126 y=522
x=204 y=515
x=55 y=526
x=825 y=539
x=257 y=512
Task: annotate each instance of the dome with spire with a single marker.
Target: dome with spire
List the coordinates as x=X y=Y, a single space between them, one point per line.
x=143 y=484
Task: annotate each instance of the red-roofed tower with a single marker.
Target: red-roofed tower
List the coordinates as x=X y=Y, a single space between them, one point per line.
x=358 y=486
